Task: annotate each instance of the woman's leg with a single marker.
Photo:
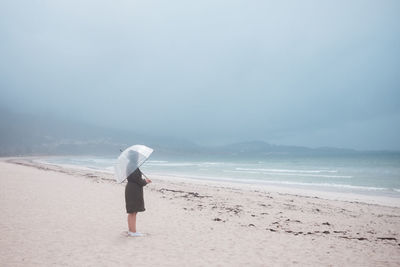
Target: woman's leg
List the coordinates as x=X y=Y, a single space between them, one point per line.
x=132 y=222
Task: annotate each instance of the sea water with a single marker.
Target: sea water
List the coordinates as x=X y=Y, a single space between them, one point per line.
x=369 y=174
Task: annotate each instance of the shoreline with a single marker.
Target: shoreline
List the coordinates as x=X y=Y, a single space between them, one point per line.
x=335 y=196
x=290 y=190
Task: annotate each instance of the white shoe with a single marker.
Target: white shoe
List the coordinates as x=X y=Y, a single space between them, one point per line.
x=136 y=234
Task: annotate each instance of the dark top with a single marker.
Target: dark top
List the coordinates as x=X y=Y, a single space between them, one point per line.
x=136 y=177
x=134 y=192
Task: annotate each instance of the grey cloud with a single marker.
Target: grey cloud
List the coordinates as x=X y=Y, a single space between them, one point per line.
x=211 y=71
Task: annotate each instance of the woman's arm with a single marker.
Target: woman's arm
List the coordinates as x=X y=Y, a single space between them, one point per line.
x=139 y=180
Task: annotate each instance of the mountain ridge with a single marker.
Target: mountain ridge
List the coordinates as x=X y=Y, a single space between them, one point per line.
x=25 y=134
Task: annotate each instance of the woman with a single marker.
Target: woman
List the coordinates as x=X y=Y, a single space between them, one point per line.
x=134 y=199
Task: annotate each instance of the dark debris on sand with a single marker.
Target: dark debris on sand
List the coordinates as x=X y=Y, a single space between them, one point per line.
x=186 y=194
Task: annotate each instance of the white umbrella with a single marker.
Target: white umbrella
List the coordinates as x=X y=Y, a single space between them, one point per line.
x=131 y=159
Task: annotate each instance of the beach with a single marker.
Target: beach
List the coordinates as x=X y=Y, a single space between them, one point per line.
x=53 y=215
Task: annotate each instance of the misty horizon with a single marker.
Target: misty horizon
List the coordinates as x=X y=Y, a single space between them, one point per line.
x=306 y=73
x=35 y=134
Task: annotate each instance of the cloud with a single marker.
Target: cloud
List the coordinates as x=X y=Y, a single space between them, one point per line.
x=212 y=71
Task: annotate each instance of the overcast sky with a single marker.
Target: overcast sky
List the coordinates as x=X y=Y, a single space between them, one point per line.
x=312 y=73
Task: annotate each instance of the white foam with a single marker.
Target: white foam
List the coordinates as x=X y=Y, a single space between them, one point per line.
x=181 y=164
x=157 y=161
x=295 y=174
x=291 y=183
x=286 y=170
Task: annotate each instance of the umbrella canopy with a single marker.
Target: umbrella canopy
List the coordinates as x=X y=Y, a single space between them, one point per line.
x=131 y=159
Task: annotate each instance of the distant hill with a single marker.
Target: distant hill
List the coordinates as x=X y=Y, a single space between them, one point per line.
x=23 y=134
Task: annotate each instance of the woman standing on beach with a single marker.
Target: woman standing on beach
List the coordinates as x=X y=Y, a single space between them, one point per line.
x=134 y=199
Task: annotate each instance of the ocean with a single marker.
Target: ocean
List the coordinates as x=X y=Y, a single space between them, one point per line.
x=369 y=174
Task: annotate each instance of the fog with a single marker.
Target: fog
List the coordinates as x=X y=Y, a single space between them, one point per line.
x=310 y=73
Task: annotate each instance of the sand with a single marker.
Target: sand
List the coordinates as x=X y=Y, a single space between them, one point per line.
x=74 y=217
